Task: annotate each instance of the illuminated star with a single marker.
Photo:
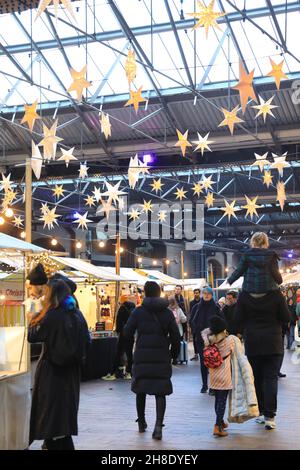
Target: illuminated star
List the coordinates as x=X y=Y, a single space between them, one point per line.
x=121 y=203
x=268 y=178
x=162 y=215
x=180 y=194
x=229 y=209
x=206 y=16
x=89 y=201
x=45 y=3
x=135 y=99
x=18 y=222
x=134 y=214
x=97 y=194
x=265 y=108
x=203 y=143
x=147 y=206
x=156 y=185
x=245 y=87
x=280 y=163
x=58 y=191
x=209 y=199
x=36 y=160
x=44 y=208
x=231 y=118
x=198 y=188
x=82 y=221
x=105 y=124
x=9 y=197
x=49 y=218
x=207 y=182
x=261 y=161
x=133 y=171
x=251 y=206
x=83 y=170
x=130 y=66
x=67 y=156
x=79 y=82
x=277 y=73
x=182 y=142
x=113 y=192
x=281 y=196
x=5 y=183
x=30 y=115
x=106 y=206
x=49 y=142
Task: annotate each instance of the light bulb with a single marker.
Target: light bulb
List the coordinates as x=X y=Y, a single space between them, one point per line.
x=140 y=260
x=167 y=261
x=101 y=244
x=9 y=212
x=78 y=245
x=23 y=235
x=154 y=262
x=185 y=274
x=121 y=250
x=54 y=242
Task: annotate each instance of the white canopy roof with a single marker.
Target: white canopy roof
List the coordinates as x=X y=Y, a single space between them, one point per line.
x=13 y=244
x=159 y=276
x=236 y=285
x=291 y=278
x=130 y=275
x=88 y=268
x=194 y=283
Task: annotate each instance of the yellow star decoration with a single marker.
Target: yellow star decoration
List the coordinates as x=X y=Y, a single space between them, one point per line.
x=30 y=115
x=45 y=208
x=156 y=185
x=209 y=199
x=245 y=86
x=231 y=118
x=229 y=209
x=58 y=191
x=162 y=215
x=198 y=188
x=130 y=66
x=280 y=163
x=203 y=143
x=180 y=193
x=147 y=206
x=89 y=201
x=207 y=182
x=281 y=196
x=277 y=72
x=182 y=141
x=261 y=161
x=45 y=3
x=206 y=16
x=9 y=197
x=49 y=218
x=82 y=221
x=268 y=178
x=67 y=156
x=135 y=99
x=251 y=206
x=105 y=125
x=79 y=82
x=18 y=222
x=134 y=214
x=49 y=142
x=265 y=108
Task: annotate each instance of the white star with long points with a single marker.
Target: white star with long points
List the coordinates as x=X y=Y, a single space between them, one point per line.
x=113 y=192
x=82 y=221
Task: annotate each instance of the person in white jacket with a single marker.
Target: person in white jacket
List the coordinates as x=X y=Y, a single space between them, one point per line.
x=178 y=314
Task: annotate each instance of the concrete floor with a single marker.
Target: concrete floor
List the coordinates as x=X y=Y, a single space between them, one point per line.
x=107 y=417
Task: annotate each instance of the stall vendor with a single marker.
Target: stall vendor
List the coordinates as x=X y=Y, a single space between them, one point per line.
x=35 y=282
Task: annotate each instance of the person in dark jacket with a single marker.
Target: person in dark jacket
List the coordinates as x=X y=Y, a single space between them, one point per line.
x=229 y=312
x=206 y=309
x=259 y=266
x=156 y=330
x=193 y=303
x=65 y=336
x=260 y=320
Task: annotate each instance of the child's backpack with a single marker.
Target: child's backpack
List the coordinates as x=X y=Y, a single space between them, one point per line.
x=211 y=357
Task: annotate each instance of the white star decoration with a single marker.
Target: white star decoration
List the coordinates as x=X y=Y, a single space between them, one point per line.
x=49 y=218
x=83 y=170
x=6 y=183
x=113 y=192
x=82 y=221
x=67 y=156
x=280 y=163
x=203 y=143
x=261 y=161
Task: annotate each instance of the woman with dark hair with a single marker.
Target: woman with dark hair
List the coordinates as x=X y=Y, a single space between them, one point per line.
x=62 y=329
x=152 y=370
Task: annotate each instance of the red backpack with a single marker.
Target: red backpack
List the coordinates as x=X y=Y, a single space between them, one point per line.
x=211 y=357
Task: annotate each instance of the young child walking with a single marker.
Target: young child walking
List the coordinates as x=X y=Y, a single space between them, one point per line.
x=220 y=377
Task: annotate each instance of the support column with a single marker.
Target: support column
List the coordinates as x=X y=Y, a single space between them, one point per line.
x=28 y=200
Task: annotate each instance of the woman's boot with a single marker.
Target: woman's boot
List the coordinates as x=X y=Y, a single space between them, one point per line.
x=157 y=433
x=142 y=424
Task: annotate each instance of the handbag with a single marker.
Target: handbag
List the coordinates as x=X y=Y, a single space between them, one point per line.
x=212 y=358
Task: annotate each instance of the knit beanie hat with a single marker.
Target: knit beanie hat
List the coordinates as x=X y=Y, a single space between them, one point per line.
x=37 y=276
x=217 y=325
x=68 y=281
x=208 y=290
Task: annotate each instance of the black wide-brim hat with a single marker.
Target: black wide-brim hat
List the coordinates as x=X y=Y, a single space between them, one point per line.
x=37 y=276
x=71 y=284
x=217 y=325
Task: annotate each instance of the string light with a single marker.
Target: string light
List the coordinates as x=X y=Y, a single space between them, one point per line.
x=226 y=270
x=9 y=212
x=101 y=244
x=54 y=242
x=154 y=262
x=121 y=250
x=2 y=221
x=140 y=260
x=22 y=234
x=78 y=245
x=167 y=262
x=185 y=274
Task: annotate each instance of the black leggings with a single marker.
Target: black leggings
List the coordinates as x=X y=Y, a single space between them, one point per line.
x=220 y=405
x=160 y=407
x=65 y=443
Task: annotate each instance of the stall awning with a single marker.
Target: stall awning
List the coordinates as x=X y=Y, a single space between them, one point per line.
x=154 y=274
x=236 y=285
x=130 y=275
x=194 y=283
x=88 y=269
x=9 y=243
x=291 y=278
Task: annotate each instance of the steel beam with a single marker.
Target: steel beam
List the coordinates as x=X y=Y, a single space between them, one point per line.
x=278 y=29
x=16 y=64
x=212 y=60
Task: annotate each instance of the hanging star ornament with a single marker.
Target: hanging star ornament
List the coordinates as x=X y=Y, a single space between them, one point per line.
x=265 y=108
x=268 y=178
x=49 y=142
x=58 y=191
x=67 y=156
x=162 y=215
x=9 y=197
x=229 y=209
x=207 y=182
x=113 y=192
x=182 y=142
x=106 y=207
x=180 y=194
x=203 y=143
x=280 y=163
x=245 y=86
x=130 y=66
x=209 y=199
x=105 y=124
x=49 y=218
x=79 y=82
x=45 y=3
x=83 y=170
x=36 y=160
x=281 y=195
x=277 y=73
x=89 y=201
x=133 y=171
x=97 y=194
x=206 y=17
x=197 y=188
x=230 y=118
x=156 y=185
x=5 y=183
x=147 y=206
x=135 y=99
x=30 y=115
x=44 y=208
x=82 y=221
x=261 y=161
x=134 y=214
x=18 y=221
x=251 y=206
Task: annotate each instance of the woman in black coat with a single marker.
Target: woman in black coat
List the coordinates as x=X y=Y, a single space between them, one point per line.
x=152 y=370
x=65 y=336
